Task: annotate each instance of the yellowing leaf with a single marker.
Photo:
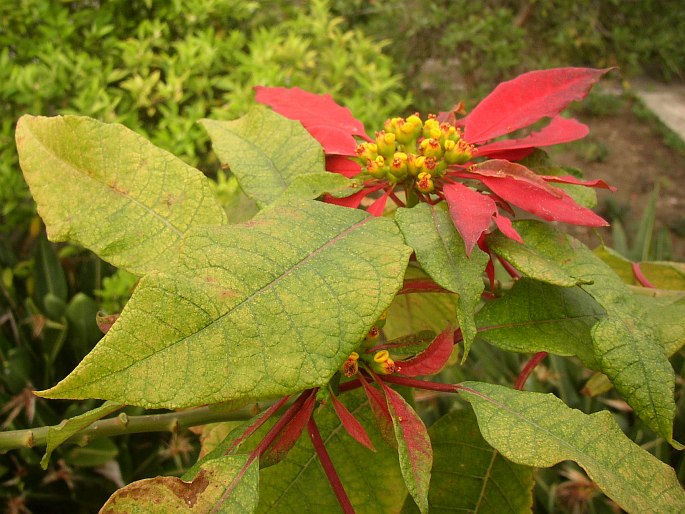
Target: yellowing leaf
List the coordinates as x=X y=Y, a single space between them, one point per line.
x=263 y=309
x=106 y=188
x=540 y=430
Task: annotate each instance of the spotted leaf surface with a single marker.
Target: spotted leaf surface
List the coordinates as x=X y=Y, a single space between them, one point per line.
x=267 y=308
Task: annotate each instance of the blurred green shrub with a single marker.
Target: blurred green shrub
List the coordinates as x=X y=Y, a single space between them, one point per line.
x=157 y=67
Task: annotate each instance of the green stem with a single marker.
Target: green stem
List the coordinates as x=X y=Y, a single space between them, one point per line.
x=122 y=424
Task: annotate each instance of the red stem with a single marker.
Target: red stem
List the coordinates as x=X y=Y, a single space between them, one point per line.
x=397 y=201
x=421 y=285
x=513 y=272
x=640 y=277
x=263 y=445
x=528 y=369
x=255 y=426
x=328 y=467
x=349 y=386
x=421 y=384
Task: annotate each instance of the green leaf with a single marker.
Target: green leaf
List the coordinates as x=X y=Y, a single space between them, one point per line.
x=106 y=188
x=539 y=430
x=469 y=475
x=440 y=250
x=265 y=151
x=96 y=453
x=626 y=345
x=372 y=481
x=50 y=277
x=68 y=427
x=417 y=312
x=538 y=317
x=530 y=262
x=263 y=309
x=313 y=185
x=669 y=321
x=663 y=275
x=217 y=487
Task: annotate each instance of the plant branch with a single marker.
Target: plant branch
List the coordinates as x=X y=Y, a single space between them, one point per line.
x=123 y=424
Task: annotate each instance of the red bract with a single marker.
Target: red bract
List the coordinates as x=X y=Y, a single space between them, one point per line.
x=430 y=159
x=432 y=359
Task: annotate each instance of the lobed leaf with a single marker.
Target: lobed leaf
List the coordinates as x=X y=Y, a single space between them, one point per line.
x=539 y=430
x=626 y=344
x=110 y=190
x=213 y=489
x=526 y=99
x=468 y=475
x=267 y=308
x=440 y=250
x=265 y=152
x=536 y=317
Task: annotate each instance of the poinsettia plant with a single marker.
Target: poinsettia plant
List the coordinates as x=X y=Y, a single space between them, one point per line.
x=373 y=262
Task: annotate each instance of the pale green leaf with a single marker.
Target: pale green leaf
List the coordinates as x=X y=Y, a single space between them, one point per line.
x=372 y=481
x=262 y=309
x=538 y=317
x=313 y=185
x=68 y=427
x=469 y=475
x=106 y=188
x=417 y=312
x=439 y=248
x=218 y=487
x=265 y=151
x=531 y=262
x=539 y=430
x=663 y=275
x=626 y=345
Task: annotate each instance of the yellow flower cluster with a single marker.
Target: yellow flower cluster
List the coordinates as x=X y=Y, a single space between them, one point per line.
x=414 y=150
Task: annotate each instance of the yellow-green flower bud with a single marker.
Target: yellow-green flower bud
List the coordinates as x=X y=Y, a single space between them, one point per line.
x=382 y=363
x=398 y=166
x=351 y=367
x=431 y=127
x=414 y=164
x=431 y=148
x=385 y=141
x=460 y=153
x=425 y=183
x=376 y=167
x=367 y=151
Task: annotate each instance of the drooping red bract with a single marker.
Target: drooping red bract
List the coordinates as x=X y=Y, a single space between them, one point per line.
x=432 y=359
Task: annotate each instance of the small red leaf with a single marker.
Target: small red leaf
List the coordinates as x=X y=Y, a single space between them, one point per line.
x=560 y=130
x=377 y=207
x=354 y=200
x=507 y=228
x=539 y=202
x=329 y=123
x=432 y=359
x=567 y=179
x=342 y=165
x=414 y=447
x=500 y=168
x=288 y=436
x=471 y=212
x=526 y=99
x=380 y=410
x=353 y=427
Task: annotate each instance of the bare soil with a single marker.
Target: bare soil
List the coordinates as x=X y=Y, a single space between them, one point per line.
x=631 y=154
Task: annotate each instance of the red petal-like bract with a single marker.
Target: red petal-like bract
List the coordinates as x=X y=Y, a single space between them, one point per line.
x=544 y=205
x=432 y=359
x=567 y=179
x=560 y=130
x=380 y=410
x=507 y=228
x=342 y=165
x=377 y=207
x=354 y=200
x=500 y=168
x=470 y=211
x=353 y=427
x=288 y=436
x=414 y=446
x=526 y=99
x=330 y=124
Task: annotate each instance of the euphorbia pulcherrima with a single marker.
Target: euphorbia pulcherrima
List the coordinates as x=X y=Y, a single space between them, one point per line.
x=455 y=159
x=439 y=158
